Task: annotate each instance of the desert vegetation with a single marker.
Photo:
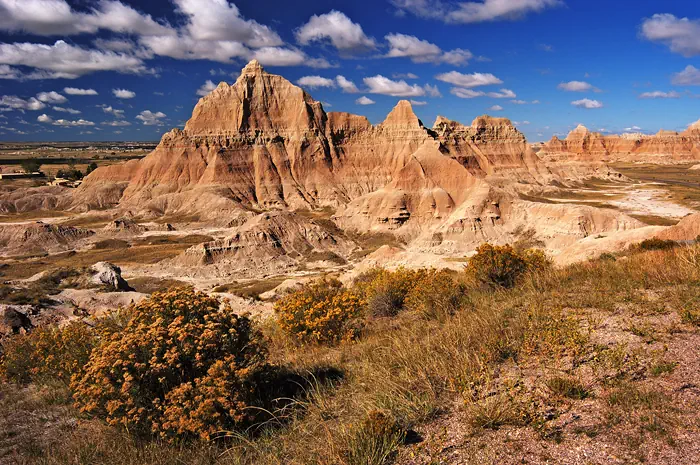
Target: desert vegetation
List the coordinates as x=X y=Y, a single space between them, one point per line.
x=391 y=367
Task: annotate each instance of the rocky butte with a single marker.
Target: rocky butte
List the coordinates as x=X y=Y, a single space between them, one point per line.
x=663 y=147
x=259 y=156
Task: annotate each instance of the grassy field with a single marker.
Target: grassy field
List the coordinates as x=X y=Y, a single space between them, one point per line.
x=595 y=363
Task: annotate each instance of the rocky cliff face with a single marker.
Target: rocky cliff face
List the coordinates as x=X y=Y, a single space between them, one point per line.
x=663 y=147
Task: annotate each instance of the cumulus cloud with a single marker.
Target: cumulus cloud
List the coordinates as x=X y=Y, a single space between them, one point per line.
x=51 y=97
x=336 y=28
x=681 y=35
x=471 y=93
x=468 y=80
x=76 y=91
x=365 y=101
x=690 y=76
x=62 y=60
x=281 y=56
x=123 y=93
x=418 y=102
x=433 y=91
x=496 y=108
x=313 y=82
x=113 y=111
x=68 y=123
x=473 y=12
x=422 y=51
x=151 y=119
x=56 y=17
x=587 y=103
x=44 y=118
x=346 y=85
x=575 y=86
x=67 y=110
x=206 y=88
x=659 y=94
x=13 y=102
x=382 y=85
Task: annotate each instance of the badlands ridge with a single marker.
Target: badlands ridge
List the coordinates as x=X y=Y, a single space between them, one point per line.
x=262 y=161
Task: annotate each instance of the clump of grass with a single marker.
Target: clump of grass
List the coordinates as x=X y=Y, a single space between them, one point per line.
x=661 y=367
x=375 y=440
x=643 y=330
x=657 y=244
x=497 y=411
x=568 y=387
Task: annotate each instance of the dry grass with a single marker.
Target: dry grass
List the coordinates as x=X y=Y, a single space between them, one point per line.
x=414 y=369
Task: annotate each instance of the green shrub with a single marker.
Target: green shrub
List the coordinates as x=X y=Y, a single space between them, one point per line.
x=437 y=294
x=47 y=354
x=385 y=292
x=503 y=266
x=567 y=387
x=181 y=366
x=321 y=312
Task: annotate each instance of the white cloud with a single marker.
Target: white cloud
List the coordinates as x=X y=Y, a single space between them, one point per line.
x=503 y=93
x=587 y=103
x=68 y=123
x=337 y=28
x=474 y=12
x=690 y=76
x=151 y=119
x=313 y=82
x=575 y=86
x=518 y=102
x=633 y=129
x=116 y=123
x=13 y=102
x=66 y=61
x=422 y=51
x=681 y=35
x=123 y=93
x=44 y=118
x=364 y=101
x=219 y=20
x=56 y=17
x=382 y=85
x=496 y=108
x=76 y=91
x=206 y=88
x=51 y=97
x=433 y=91
x=404 y=76
x=659 y=94
x=468 y=80
x=280 y=56
x=113 y=111
x=67 y=110
x=346 y=85
x=418 y=102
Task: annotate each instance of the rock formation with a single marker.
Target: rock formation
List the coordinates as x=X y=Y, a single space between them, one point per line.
x=263 y=144
x=23 y=239
x=663 y=147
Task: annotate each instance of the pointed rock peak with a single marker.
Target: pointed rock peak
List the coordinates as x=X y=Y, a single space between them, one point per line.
x=580 y=128
x=695 y=126
x=253 y=67
x=442 y=121
x=402 y=115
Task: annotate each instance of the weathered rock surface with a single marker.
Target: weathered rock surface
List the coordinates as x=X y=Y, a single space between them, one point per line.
x=663 y=147
x=687 y=229
x=28 y=238
x=14 y=319
x=107 y=274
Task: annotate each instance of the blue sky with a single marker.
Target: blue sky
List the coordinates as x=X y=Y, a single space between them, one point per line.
x=132 y=69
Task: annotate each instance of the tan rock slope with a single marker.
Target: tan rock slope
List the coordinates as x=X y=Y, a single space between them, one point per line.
x=255 y=151
x=663 y=147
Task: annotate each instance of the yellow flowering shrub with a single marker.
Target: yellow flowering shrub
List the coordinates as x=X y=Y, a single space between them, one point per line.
x=385 y=291
x=320 y=312
x=182 y=366
x=503 y=266
x=437 y=293
x=47 y=353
